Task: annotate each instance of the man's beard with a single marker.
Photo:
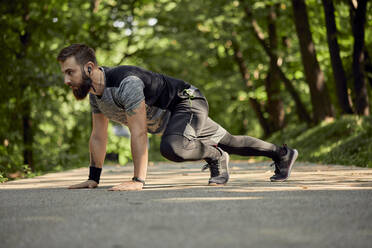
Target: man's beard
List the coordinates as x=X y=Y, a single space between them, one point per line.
x=83 y=89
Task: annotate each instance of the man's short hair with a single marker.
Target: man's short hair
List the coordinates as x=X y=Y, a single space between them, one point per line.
x=82 y=53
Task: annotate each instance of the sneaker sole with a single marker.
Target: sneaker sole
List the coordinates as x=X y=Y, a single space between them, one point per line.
x=216 y=184
x=295 y=155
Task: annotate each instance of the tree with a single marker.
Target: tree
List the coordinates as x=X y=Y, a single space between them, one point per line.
x=24 y=101
x=36 y=131
x=334 y=50
x=320 y=100
x=360 y=84
x=274 y=103
x=257 y=107
x=300 y=107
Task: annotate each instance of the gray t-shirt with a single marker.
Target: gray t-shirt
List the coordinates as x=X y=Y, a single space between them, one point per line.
x=115 y=101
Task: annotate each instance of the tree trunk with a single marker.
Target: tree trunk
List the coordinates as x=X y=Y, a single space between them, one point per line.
x=302 y=113
x=334 y=50
x=28 y=137
x=320 y=100
x=272 y=82
x=360 y=84
x=238 y=56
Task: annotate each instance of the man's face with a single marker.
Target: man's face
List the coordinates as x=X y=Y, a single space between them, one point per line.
x=75 y=78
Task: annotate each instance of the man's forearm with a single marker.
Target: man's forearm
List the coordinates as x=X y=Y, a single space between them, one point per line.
x=97 y=148
x=139 y=154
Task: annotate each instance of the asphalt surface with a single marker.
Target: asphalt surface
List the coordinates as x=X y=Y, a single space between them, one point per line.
x=320 y=206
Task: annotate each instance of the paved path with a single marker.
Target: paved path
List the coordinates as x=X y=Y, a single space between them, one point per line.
x=320 y=206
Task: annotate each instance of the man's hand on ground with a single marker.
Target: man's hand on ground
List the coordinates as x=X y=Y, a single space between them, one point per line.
x=89 y=184
x=128 y=186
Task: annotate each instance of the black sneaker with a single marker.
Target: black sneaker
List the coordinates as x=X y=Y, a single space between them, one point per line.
x=284 y=165
x=219 y=169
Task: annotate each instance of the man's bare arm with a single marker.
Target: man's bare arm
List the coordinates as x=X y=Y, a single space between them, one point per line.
x=97 y=148
x=138 y=130
x=98 y=140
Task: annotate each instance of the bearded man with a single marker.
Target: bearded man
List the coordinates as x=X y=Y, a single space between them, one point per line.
x=146 y=101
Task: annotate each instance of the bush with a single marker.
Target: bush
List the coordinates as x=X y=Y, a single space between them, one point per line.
x=345 y=141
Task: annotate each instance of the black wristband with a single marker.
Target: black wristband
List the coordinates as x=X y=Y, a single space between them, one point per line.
x=94 y=173
x=136 y=179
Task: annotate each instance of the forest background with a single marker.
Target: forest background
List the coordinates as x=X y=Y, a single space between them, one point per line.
x=290 y=71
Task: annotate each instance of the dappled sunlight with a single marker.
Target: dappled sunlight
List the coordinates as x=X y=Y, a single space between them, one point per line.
x=244 y=178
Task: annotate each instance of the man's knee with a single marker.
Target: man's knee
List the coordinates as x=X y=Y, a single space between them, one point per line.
x=170 y=147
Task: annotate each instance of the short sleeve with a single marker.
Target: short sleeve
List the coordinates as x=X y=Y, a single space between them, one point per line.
x=93 y=104
x=130 y=93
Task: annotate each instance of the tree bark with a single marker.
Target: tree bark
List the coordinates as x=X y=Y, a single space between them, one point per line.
x=360 y=84
x=272 y=82
x=320 y=100
x=302 y=113
x=238 y=56
x=334 y=50
x=28 y=137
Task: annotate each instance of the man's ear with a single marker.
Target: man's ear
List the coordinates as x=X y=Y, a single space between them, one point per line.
x=88 y=68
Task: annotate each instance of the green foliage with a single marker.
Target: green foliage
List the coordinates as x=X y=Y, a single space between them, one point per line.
x=345 y=141
x=188 y=39
x=119 y=145
x=64 y=130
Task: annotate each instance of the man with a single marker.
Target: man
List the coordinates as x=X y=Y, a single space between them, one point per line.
x=150 y=102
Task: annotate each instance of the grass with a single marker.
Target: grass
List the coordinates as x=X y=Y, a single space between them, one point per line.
x=344 y=141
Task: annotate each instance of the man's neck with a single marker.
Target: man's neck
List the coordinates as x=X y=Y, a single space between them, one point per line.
x=98 y=82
